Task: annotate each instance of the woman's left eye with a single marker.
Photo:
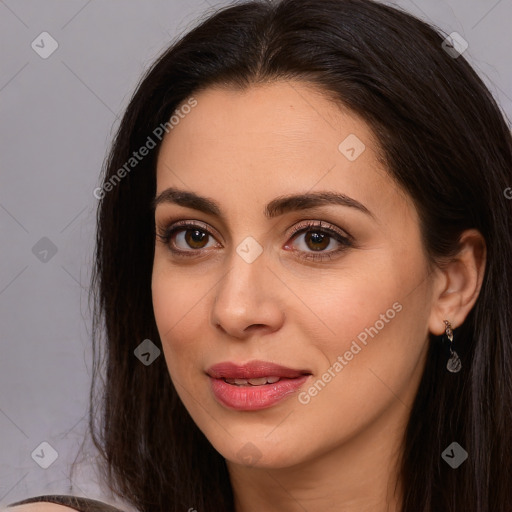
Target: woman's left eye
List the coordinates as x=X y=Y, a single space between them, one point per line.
x=316 y=239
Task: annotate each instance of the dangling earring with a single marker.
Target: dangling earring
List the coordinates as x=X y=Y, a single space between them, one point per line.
x=453 y=365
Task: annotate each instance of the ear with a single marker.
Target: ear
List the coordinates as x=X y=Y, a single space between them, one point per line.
x=458 y=283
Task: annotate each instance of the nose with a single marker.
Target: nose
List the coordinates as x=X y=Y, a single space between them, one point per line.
x=247 y=299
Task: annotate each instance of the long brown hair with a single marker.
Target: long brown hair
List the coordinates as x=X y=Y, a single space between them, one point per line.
x=445 y=142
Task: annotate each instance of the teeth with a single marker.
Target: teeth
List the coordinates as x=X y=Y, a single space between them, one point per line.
x=253 y=382
x=258 y=382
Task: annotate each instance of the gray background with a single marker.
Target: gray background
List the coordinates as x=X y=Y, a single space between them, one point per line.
x=58 y=116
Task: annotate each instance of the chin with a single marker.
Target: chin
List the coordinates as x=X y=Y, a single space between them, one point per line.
x=259 y=452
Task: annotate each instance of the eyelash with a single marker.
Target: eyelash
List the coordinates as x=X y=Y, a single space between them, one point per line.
x=166 y=235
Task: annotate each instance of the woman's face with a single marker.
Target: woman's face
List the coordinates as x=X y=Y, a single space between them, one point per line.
x=344 y=307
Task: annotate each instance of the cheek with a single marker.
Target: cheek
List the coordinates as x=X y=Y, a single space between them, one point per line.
x=171 y=302
x=365 y=324
x=354 y=298
x=379 y=299
x=378 y=321
x=180 y=307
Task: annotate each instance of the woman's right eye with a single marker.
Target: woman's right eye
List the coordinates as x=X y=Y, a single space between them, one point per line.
x=186 y=239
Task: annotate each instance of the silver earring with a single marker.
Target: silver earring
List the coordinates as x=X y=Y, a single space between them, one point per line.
x=453 y=365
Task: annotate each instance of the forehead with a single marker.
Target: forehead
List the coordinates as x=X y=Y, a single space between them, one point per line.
x=277 y=112
x=272 y=139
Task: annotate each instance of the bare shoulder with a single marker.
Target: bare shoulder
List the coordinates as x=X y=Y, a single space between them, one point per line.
x=40 y=507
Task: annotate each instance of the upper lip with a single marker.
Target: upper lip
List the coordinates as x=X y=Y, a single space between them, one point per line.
x=253 y=370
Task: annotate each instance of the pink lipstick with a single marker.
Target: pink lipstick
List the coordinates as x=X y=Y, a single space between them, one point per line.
x=255 y=385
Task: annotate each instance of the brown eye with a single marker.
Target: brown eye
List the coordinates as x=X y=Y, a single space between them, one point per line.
x=186 y=239
x=317 y=241
x=195 y=238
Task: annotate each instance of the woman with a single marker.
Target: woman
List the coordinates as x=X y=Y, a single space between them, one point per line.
x=305 y=212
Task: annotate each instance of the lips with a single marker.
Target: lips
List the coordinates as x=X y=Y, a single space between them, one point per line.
x=255 y=385
x=253 y=370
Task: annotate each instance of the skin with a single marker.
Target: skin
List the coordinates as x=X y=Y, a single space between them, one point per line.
x=243 y=149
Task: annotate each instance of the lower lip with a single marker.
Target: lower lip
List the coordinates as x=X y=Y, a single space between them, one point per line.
x=252 y=398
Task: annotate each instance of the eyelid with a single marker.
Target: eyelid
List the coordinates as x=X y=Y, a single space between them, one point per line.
x=166 y=231
x=313 y=224
x=172 y=226
x=302 y=225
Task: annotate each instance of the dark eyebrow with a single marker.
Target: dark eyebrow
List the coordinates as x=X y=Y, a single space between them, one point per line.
x=273 y=209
